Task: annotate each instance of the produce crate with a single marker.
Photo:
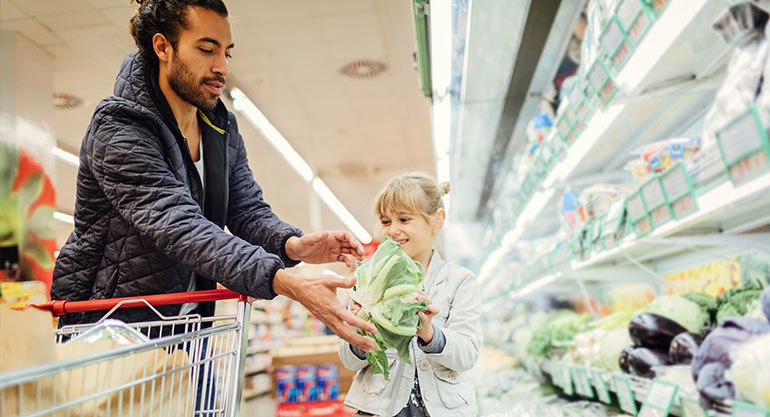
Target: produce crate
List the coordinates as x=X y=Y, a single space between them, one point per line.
x=601 y=81
x=744 y=147
x=637 y=214
x=655 y=202
x=657 y=6
x=615 y=44
x=679 y=190
x=635 y=18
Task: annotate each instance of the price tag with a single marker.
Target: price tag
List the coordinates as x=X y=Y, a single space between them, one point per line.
x=675 y=182
x=639 y=28
x=575 y=97
x=660 y=216
x=567 y=380
x=612 y=37
x=743 y=409
x=556 y=374
x=625 y=395
x=659 y=399
x=563 y=127
x=627 y=11
x=635 y=206
x=582 y=383
x=740 y=138
x=653 y=193
x=597 y=376
x=598 y=76
x=691 y=408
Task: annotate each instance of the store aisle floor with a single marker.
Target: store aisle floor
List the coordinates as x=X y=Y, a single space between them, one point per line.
x=263 y=406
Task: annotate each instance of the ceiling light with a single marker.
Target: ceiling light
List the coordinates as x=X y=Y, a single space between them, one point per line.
x=243 y=105
x=66 y=156
x=341 y=211
x=63 y=217
x=363 y=68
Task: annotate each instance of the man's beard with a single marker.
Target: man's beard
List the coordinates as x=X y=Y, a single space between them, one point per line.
x=184 y=84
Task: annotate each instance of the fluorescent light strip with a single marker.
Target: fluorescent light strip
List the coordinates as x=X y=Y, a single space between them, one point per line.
x=242 y=104
x=533 y=209
x=441 y=79
x=542 y=282
x=63 y=217
x=66 y=156
x=340 y=210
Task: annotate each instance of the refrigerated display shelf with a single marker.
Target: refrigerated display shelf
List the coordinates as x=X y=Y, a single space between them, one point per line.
x=662 y=89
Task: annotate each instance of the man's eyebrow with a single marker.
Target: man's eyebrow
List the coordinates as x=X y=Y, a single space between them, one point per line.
x=215 y=42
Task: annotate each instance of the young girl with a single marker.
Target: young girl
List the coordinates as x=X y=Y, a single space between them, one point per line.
x=447 y=346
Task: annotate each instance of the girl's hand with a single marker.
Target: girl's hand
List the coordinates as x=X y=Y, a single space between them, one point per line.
x=425 y=333
x=355 y=308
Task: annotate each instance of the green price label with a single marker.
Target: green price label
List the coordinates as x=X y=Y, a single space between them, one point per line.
x=555 y=374
x=597 y=376
x=625 y=395
x=581 y=380
x=691 y=407
x=743 y=409
x=566 y=378
x=659 y=399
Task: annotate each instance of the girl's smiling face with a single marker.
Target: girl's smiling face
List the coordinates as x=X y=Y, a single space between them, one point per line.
x=412 y=231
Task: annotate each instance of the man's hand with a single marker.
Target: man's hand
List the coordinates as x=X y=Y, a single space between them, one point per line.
x=319 y=296
x=425 y=333
x=325 y=247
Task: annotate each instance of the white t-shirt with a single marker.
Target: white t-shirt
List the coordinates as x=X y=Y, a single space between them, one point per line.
x=188 y=307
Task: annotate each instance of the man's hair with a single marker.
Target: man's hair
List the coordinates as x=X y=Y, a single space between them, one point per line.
x=165 y=17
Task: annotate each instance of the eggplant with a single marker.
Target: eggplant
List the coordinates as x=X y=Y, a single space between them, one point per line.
x=642 y=360
x=624 y=354
x=683 y=348
x=654 y=331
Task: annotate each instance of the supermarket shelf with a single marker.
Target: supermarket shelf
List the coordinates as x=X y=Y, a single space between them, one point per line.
x=253 y=350
x=663 y=88
x=255 y=393
x=255 y=371
x=724 y=208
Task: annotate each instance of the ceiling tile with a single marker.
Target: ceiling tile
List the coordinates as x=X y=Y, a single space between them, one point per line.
x=74 y=20
x=349 y=26
x=335 y=7
x=33 y=30
x=52 y=7
x=120 y=15
x=300 y=55
x=9 y=11
x=343 y=52
x=268 y=11
x=109 y=4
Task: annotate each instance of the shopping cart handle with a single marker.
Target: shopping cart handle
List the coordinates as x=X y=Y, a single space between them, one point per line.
x=62 y=307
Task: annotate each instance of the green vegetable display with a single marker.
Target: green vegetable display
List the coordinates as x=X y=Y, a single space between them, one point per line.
x=386 y=290
x=679 y=309
x=736 y=302
x=561 y=329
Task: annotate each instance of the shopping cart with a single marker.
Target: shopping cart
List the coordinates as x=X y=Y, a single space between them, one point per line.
x=195 y=367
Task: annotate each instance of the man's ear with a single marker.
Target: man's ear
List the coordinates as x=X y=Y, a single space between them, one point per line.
x=162 y=46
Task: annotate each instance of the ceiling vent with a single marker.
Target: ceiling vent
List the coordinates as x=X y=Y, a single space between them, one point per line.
x=64 y=101
x=363 y=69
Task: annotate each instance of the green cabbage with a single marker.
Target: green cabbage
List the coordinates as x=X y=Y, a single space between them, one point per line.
x=386 y=289
x=673 y=307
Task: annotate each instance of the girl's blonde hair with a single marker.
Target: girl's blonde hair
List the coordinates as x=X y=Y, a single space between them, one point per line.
x=415 y=192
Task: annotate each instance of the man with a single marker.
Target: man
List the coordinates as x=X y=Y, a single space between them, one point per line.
x=163 y=170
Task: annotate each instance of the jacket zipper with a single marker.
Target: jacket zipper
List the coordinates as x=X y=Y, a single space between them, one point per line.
x=203 y=204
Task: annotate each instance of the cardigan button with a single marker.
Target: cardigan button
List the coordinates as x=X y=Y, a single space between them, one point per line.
x=424 y=366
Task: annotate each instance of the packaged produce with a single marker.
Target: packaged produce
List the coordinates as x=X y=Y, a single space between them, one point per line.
x=751 y=370
x=386 y=290
x=660 y=156
x=684 y=312
x=641 y=361
x=684 y=347
x=572 y=211
x=654 y=331
x=538 y=128
x=597 y=198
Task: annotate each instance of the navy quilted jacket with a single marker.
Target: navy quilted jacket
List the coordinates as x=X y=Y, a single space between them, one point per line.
x=143 y=223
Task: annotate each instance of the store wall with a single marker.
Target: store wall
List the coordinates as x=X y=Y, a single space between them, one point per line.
x=27 y=196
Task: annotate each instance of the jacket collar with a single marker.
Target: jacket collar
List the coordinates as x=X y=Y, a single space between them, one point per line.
x=138 y=82
x=433 y=276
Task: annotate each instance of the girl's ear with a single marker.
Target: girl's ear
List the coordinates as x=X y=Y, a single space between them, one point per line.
x=438 y=220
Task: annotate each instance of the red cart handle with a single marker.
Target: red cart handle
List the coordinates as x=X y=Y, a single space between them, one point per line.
x=62 y=307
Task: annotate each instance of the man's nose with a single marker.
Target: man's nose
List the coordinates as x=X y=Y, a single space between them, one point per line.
x=221 y=66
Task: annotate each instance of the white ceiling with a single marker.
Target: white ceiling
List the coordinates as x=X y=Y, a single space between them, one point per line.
x=354 y=133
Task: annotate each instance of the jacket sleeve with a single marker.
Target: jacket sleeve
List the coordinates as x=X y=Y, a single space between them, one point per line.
x=248 y=215
x=462 y=330
x=129 y=165
x=349 y=359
